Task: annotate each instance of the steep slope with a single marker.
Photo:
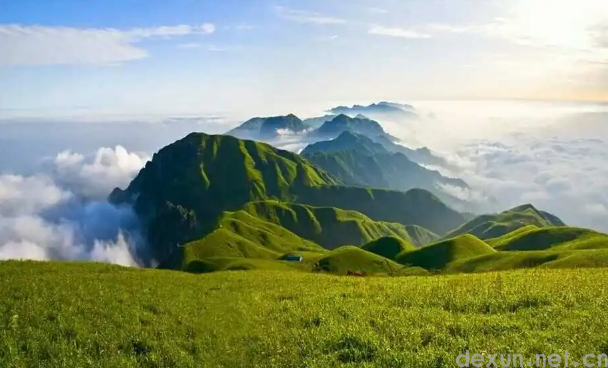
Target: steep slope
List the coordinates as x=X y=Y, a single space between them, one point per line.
x=553 y=238
x=436 y=256
x=182 y=192
x=388 y=247
x=349 y=258
x=362 y=165
x=496 y=225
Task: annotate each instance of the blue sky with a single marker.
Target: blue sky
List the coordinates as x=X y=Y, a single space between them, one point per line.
x=251 y=55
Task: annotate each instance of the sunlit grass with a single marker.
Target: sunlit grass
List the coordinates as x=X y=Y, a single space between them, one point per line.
x=90 y=315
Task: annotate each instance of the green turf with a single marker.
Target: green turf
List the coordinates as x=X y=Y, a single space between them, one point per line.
x=436 y=256
x=90 y=315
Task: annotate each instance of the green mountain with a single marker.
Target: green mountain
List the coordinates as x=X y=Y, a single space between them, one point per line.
x=344 y=123
x=551 y=238
x=388 y=247
x=268 y=127
x=182 y=193
x=348 y=138
x=496 y=225
x=362 y=162
x=436 y=256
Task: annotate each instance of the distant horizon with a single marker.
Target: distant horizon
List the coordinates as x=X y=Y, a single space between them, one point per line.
x=106 y=115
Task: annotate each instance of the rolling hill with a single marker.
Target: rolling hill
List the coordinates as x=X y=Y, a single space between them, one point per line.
x=350 y=258
x=436 y=256
x=388 y=247
x=508 y=261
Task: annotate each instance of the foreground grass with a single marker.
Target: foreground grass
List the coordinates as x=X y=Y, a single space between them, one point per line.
x=91 y=315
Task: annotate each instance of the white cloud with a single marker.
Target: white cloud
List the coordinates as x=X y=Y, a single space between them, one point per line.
x=45 y=45
x=22 y=195
x=303 y=16
x=62 y=214
x=95 y=176
x=396 y=32
x=551 y=155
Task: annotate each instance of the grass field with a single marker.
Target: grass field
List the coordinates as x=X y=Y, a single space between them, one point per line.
x=92 y=315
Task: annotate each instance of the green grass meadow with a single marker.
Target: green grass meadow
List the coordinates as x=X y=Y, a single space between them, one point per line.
x=95 y=315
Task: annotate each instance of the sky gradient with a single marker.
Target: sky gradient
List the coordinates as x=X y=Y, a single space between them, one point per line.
x=199 y=56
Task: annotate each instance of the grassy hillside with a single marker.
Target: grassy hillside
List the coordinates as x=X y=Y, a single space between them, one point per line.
x=496 y=225
x=504 y=261
x=554 y=238
x=388 y=247
x=90 y=315
x=332 y=227
x=498 y=241
x=216 y=264
x=436 y=256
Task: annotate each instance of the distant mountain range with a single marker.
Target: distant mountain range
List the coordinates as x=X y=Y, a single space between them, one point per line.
x=328 y=127
x=377 y=110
